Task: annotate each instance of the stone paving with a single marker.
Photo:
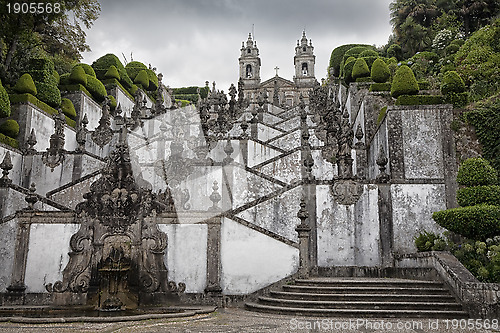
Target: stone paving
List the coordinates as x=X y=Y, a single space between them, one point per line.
x=235 y=320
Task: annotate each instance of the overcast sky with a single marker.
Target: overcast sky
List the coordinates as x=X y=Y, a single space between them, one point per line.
x=192 y=41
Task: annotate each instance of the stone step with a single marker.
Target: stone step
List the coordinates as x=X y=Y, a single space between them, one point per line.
x=443 y=298
x=356 y=313
x=372 y=304
x=387 y=289
x=365 y=282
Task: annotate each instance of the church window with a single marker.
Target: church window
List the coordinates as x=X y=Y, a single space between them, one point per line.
x=249 y=51
x=304 y=68
x=249 y=71
x=304 y=49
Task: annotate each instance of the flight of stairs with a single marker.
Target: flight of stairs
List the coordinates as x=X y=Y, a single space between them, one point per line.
x=362 y=297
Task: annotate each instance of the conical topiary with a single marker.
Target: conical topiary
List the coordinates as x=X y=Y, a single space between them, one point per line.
x=78 y=75
x=360 y=69
x=380 y=72
x=142 y=78
x=25 y=85
x=112 y=73
x=10 y=128
x=404 y=82
x=452 y=83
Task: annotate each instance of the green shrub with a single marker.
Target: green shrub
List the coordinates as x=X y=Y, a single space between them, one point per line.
x=476 y=195
x=395 y=51
x=102 y=65
x=28 y=98
x=78 y=76
x=452 y=82
x=68 y=108
x=96 y=88
x=42 y=76
x=380 y=71
x=153 y=80
x=364 y=79
x=459 y=100
x=10 y=128
x=337 y=56
x=380 y=87
x=369 y=60
x=112 y=73
x=451 y=49
x=87 y=68
x=458 y=42
x=56 y=77
x=419 y=100
x=428 y=241
x=9 y=141
x=360 y=69
x=142 y=78
x=476 y=171
x=369 y=53
x=133 y=68
x=423 y=85
x=4 y=102
x=64 y=79
x=41 y=64
x=404 y=82
x=25 y=84
x=112 y=102
x=48 y=93
x=133 y=89
x=474 y=222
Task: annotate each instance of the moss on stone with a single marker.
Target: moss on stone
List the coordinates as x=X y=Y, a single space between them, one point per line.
x=25 y=84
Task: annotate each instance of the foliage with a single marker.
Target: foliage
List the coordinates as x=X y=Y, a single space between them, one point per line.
x=419 y=100
x=133 y=68
x=153 y=80
x=452 y=82
x=476 y=195
x=337 y=56
x=112 y=73
x=48 y=93
x=187 y=97
x=78 y=76
x=395 y=51
x=369 y=53
x=25 y=84
x=423 y=85
x=4 y=102
x=75 y=87
x=476 y=171
x=474 y=222
x=478 y=61
x=381 y=115
x=347 y=71
x=380 y=87
x=459 y=100
x=442 y=39
x=102 y=65
x=486 y=120
x=28 y=98
x=112 y=102
x=87 y=68
x=380 y=71
x=96 y=88
x=428 y=241
x=193 y=90
x=58 y=35
x=404 y=82
x=9 y=141
x=68 y=108
x=360 y=69
x=10 y=128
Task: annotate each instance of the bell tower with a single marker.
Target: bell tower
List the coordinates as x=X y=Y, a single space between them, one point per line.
x=250 y=63
x=304 y=63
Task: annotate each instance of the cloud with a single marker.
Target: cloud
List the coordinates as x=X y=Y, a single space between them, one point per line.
x=192 y=41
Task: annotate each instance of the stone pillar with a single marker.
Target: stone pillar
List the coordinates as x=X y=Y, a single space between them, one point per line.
x=303 y=230
x=213 y=289
x=385 y=224
x=17 y=288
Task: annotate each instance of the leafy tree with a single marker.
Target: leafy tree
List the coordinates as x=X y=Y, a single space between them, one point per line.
x=58 y=35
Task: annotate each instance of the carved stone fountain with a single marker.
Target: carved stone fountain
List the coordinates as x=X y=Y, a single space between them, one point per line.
x=117 y=256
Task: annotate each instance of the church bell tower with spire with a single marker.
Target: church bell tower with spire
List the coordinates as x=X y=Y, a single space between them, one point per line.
x=304 y=63
x=250 y=63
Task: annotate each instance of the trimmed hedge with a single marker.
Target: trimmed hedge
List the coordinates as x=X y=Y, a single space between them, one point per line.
x=10 y=128
x=87 y=68
x=48 y=93
x=64 y=79
x=68 y=108
x=142 y=78
x=404 y=82
x=459 y=100
x=337 y=56
x=419 y=100
x=360 y=69
x=452 y=83
x=192 y=90
x=102 y=65
x=25 y=84
x=364 y=79
x=9 y=141
x=476 y=195
x=423 y=85
x=78 y=75
x=347 y=71
x=112 y=102
x=4 y=102
x=133 y=68
x=75 y=87
x=380 y=87
x=474 y=222
x=369 y=53
x=476 y=171
x=380 y=71
x=153 y=80
x=41 y=64
x=112 y=73
x=96 y=88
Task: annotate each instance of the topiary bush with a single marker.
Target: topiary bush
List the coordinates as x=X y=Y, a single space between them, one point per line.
x=4 y=102
x=78 y=75
x=452 y=83
x=476 y=171
x=380 y=71
x=96 y=88
x=48 y=93
x=153 y=80
x=369 y=53
x=404 y=82
x=360 y=69
x=476 y=195
x=68 y=108
x=112 y=102
x=142 y=78
x=102 y=65
x=395 y=51
x=87 y=68
x=25 y=84
x=337 y=57
x=347 y=71
x=419 y=100
x=10 y=128
x=112 y=73
x=133 y=68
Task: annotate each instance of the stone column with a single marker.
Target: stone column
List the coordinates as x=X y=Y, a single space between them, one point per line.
x=303 y=230
x=213 y=289
x=17 y=288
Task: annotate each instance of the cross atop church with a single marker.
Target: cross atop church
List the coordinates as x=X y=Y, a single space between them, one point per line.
x=276 y=69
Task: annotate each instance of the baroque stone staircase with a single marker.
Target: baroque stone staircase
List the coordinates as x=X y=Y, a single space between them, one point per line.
x=361 y=298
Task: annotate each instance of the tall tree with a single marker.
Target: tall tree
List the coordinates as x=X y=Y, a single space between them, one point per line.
x=56 y=33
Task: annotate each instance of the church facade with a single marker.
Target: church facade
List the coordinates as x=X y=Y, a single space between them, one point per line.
x=280 y=91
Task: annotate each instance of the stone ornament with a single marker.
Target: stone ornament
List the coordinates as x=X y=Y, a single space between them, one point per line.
x=103 y=134
x=54 y=155
x=347 y=191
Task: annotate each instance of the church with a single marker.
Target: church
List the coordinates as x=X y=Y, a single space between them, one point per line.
x=280 y=91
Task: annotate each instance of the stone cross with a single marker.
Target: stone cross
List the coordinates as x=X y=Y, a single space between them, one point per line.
x=276 y=69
